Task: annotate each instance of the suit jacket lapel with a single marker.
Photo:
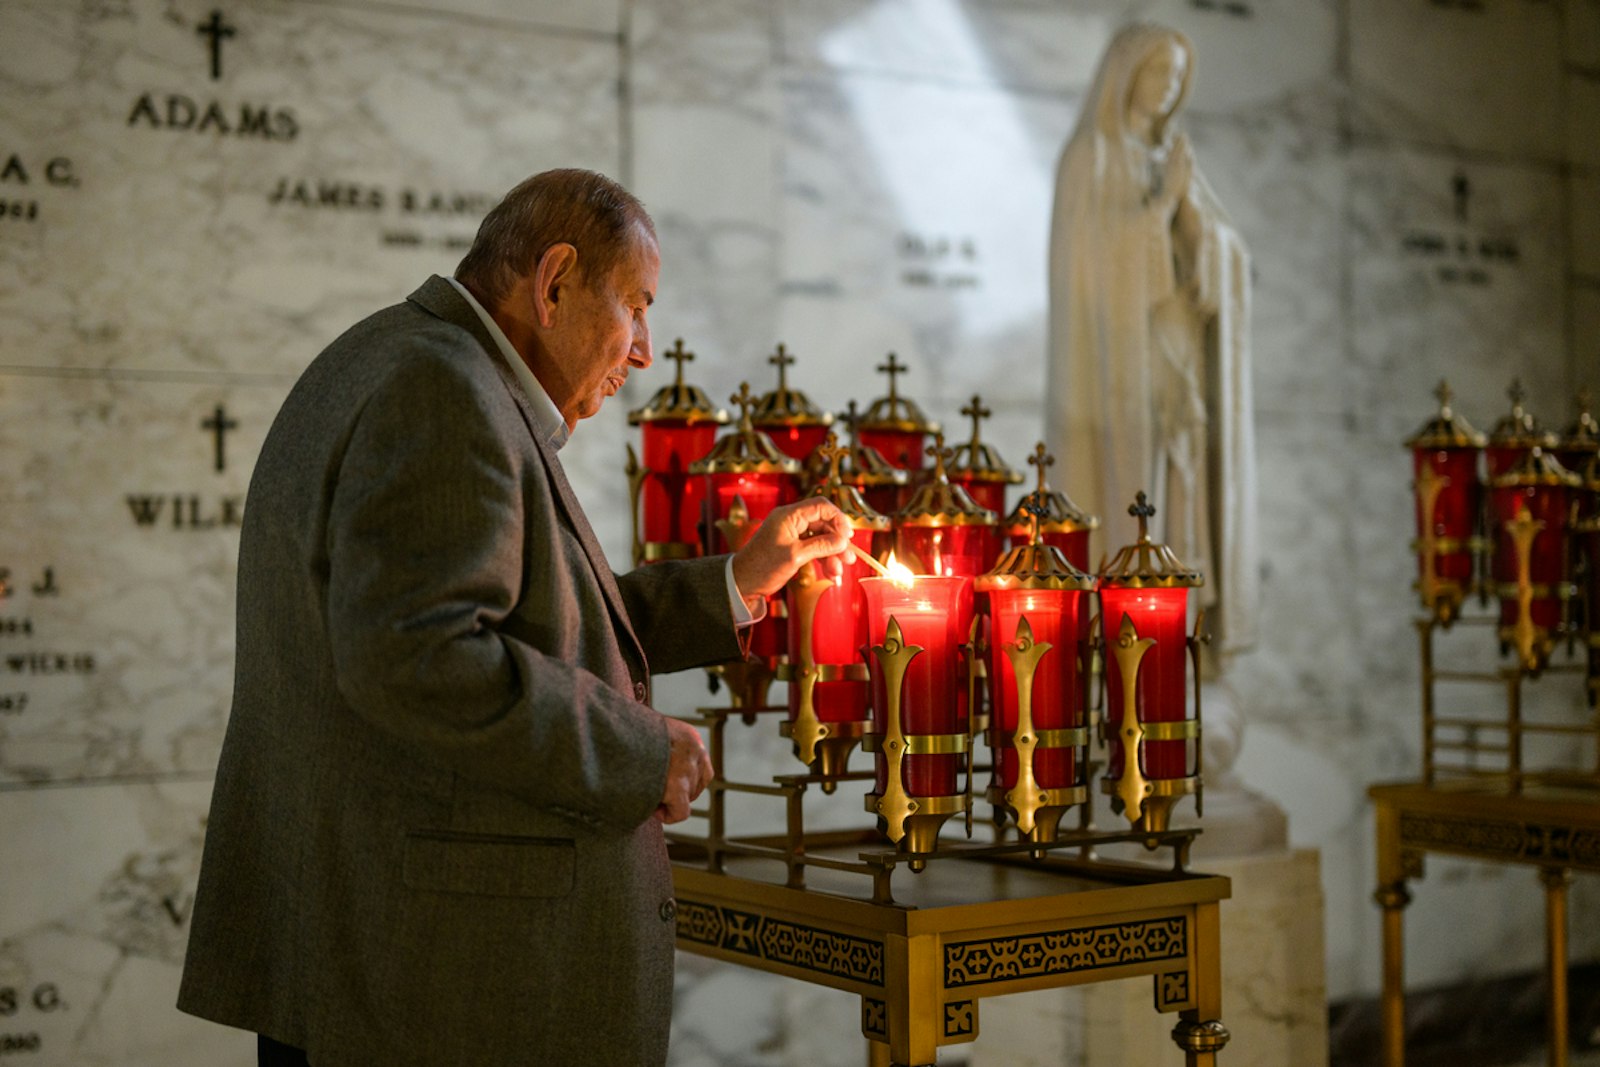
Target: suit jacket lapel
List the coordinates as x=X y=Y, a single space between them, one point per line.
x=440 y=298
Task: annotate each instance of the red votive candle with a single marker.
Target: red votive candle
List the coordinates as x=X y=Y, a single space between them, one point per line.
x=672 y=496
x=1053 y=617
x=1159 y=695
x=838 y=634
x=933 y=612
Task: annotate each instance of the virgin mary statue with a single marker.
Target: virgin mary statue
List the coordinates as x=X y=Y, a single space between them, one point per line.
x=1149 y=368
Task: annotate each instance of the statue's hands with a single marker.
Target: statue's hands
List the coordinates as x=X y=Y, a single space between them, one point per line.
x=792 y=536
x=1177 y=178
x=1180 y=167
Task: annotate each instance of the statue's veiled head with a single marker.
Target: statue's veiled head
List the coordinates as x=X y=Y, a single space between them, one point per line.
x=1143 y=80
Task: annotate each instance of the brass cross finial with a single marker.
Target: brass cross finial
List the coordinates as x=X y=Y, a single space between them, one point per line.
x=1142 y=510
x=852 y=418
x=833 y=454
x=1517 y=394
x=1041 y=458
x=892 y=368
x=1037 y=512
x=680 y=356
x=781 y=359
x=745 y=402
x=977 y=412
x=941 y=455
x=1445 y=395
x=1585 y=402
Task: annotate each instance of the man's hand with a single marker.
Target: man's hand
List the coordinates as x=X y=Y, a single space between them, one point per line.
x=688 y=771
x=792 y=536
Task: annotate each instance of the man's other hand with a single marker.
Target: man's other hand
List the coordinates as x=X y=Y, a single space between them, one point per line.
x=791 y=537
x=688 y=771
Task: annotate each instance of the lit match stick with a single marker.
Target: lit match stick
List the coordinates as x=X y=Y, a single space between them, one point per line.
x=867 y=558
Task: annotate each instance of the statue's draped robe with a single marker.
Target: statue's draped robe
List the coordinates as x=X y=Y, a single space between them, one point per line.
x=1149 y=371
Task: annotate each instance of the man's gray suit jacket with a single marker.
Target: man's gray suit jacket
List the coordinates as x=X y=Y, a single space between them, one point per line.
x=431 y=840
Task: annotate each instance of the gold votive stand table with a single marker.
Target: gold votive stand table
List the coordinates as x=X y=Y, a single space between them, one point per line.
x=964 y=929
x=1540 y=822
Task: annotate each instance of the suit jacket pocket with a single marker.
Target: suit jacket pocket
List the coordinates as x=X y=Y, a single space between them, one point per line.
x=492 y=865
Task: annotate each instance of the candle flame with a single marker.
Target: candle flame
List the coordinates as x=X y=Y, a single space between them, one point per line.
x=899 y=573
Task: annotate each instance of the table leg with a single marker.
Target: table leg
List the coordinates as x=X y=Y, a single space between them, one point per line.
x=1392 y=896
x=1199 y=1031
x=1556 y=880
x=877 y=1054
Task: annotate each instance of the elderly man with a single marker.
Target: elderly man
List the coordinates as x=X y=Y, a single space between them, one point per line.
x=436 y=831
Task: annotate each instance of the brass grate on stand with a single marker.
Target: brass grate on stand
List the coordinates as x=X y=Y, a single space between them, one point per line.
x=1462 y=742
x=874 y=859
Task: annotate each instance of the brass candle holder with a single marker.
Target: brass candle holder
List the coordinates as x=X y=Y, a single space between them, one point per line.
x=795 y=424
x=677 y=427
x=828 y=682
x=1156 y=756
x=895 y=425
x=920 y=747
x=1445 y=456
x=978 y=467
x=1037 y=732
x=746 y=476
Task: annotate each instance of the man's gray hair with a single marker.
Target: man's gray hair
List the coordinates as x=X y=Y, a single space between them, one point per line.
x=589 y=211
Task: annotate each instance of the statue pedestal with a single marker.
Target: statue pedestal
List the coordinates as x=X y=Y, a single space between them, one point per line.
x=1273 y=987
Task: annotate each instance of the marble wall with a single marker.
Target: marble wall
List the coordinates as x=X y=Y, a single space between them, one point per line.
x=185 y=219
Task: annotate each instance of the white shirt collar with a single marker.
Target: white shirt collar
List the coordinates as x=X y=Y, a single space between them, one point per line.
x=547 y=419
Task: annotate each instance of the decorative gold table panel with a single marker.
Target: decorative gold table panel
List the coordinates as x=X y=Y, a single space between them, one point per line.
x=1545 y=824
x=962 y=930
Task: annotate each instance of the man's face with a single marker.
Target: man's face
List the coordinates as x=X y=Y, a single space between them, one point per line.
x=605 y=332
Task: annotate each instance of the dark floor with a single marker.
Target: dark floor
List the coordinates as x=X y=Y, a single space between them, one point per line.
x=1499 y=1023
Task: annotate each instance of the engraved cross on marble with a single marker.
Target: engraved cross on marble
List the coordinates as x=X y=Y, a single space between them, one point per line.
x=218 y=31
x=219 y=424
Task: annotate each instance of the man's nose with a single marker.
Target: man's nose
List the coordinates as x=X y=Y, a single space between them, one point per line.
x=642 y=356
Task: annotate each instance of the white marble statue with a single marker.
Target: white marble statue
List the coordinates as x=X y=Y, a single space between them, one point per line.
x=1149 y=368
x=1149 y=373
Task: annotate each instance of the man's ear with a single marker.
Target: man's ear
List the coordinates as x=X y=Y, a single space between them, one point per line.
x=556 y=273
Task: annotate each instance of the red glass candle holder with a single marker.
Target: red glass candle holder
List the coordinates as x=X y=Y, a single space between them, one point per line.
x=895 y=425
x=1445 y=456
x=1036 y=735
x=795 y=424
x=903 y=448
x=746 y=477
x=1515 y=435
x=797 y=442
x=677 y=428
x=1154 y=740
x=672 y=496
x=828 y=682
x=916 y=628
x=1063 y=525
x=1531 y=567
x=736 y=502
x=1587 y=531
x=933 y=614
x=978 y=468
x=967 y=550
